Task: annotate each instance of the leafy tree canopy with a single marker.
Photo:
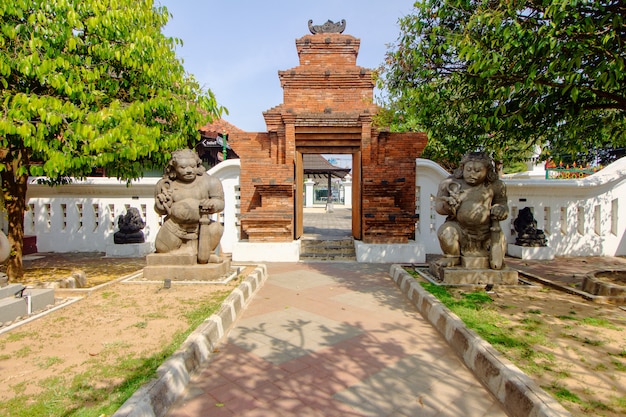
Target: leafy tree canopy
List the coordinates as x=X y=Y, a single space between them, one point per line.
x=93 y=83
x=86 y=84
x=509 y=75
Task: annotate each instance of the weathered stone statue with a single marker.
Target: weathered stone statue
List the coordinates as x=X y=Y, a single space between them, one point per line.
x=475 y=201
x=130 y=227
x=526 y=227
x=187 y=196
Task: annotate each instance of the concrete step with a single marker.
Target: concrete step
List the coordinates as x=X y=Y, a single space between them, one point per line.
x=10 y=290
x=328 y=250
x=40 y=298
x=12 y=307
x=326 y=257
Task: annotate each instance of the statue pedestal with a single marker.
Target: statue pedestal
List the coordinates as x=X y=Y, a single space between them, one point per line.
x=530 y=252
x=456 y=275
x=129 y=250
x=160 y=266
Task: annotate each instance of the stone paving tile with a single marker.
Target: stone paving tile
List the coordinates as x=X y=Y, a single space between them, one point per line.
x=333 y=340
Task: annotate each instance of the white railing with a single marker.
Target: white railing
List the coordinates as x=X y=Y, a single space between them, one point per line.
x=581 y=217
x=82 y=216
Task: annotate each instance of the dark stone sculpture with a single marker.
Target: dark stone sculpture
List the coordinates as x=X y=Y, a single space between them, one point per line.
x=474 y=199
x=526 y=227
x=130 y=225
x=328 y=27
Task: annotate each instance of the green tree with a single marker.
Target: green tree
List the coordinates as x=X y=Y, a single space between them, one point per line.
x=508 y=75
x=86 y=84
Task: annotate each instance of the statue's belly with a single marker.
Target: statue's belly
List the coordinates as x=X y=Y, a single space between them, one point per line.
x=473 y=215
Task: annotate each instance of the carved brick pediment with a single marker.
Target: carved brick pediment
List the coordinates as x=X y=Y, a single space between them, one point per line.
x=328 y=27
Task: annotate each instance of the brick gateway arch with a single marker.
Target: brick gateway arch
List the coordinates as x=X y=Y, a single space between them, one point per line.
x=327 y=109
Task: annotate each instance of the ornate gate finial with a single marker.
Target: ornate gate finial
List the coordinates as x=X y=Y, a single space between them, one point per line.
x=328 y=27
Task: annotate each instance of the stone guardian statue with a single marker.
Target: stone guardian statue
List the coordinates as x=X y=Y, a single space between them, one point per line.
x=187 y=196
x=474 y=201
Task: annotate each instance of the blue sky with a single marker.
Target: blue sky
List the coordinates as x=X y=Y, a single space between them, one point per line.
x=236 y=47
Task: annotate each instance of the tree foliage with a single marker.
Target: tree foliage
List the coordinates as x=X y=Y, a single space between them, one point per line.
x=86 y=84
x=508 y=75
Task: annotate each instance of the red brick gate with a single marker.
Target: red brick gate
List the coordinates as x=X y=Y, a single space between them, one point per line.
x=327 y=108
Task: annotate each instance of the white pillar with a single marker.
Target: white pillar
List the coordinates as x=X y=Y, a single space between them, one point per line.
x=347 y=190
x=308 y=192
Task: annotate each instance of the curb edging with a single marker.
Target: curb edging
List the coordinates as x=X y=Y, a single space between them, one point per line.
x=518 y=394
x=154 y=398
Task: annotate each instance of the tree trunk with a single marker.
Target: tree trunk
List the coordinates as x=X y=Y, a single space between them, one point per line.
x=14 y=193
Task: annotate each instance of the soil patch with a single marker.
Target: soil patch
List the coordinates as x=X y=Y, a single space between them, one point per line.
x=579 y=354
x=573 y=348
x=111 y=326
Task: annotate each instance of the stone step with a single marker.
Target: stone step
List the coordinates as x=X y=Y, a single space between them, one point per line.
x=325 y=249
x=12 y=307
x=10 y=290
x=40 y=298
x=346 y=243
x=328 y=250
x=326 y=257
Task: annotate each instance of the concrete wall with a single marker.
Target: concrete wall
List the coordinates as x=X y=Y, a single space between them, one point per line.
x=581 y=217
x=82 y=216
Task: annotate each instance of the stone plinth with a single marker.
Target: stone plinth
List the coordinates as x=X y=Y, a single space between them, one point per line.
x=129 y=250
x=530 y=252
x=412 y=252
x=40 y=298
x=609 y=284
x=481 y=276
x=162 y=266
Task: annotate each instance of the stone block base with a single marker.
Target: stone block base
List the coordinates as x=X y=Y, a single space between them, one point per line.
x=464 y=276
x=10 y=290
x=411 y=252
x=197 y=272
x=530 y=252
x=12 y=308
x=40 y=298
x=167 y=259
x=129 y=250
x=244 y=251
x=162 y=266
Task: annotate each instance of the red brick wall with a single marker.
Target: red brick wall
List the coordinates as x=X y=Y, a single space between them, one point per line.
x=388 y=192
x=327 y=86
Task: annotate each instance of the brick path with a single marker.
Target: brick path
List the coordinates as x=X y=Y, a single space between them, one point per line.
x=333 y=339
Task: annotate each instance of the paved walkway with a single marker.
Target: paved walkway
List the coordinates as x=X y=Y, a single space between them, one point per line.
x=318 y=224
x=333 y=339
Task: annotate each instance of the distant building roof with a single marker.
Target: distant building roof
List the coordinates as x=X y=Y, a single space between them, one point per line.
x=220 y=127
x=317 y=167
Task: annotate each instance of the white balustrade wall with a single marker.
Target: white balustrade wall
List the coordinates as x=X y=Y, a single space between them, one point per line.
x=82 y=216
x=581 y=217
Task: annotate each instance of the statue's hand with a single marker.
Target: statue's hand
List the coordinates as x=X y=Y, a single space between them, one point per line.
x=452 y=201
x=499 y=212
x=207 y=205
x=165 y=199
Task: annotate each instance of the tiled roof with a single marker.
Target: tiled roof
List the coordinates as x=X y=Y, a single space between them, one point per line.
x=317 y=164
